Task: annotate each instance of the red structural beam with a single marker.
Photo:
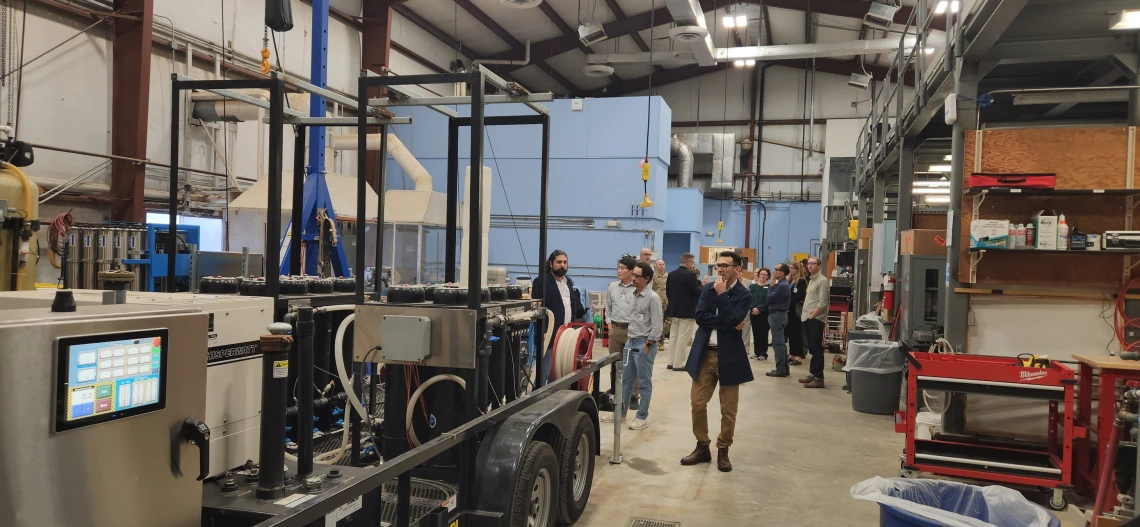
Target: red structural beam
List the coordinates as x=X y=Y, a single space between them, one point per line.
x=130 y=100
x=375 y=56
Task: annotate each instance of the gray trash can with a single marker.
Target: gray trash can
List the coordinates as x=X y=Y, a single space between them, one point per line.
x=876 y=369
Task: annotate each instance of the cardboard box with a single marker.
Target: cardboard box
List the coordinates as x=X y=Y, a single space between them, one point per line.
x=867 y=233
x=921 y=241
x=864 y=243
x=1046 y=227
x=990 y=234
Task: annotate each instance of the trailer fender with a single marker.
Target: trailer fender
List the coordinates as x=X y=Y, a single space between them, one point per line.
x=501 y=452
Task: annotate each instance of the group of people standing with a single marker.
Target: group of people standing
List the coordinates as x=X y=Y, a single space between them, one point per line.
x=705 y=322
x=791 y=302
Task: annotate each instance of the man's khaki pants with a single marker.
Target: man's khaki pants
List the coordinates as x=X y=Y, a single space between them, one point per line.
x=682 y=340
x=703 y=386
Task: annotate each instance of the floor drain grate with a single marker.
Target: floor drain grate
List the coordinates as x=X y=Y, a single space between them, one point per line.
x=645 y=522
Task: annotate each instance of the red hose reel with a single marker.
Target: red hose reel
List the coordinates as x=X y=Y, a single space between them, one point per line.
x=583 y=349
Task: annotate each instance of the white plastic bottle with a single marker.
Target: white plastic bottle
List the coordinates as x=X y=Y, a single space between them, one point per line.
x=1062 y=233
x=1021 y=236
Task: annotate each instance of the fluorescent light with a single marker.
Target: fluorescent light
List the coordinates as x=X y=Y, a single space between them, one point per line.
x=741 y=21
x=932 y=183
x=939 y=168
x=929 y=51
x=940 y=7
x=925 y=190
x=937 y=199
x=750 y=62
x=1126 y=19
x=729 y=21
x=948 y=157
x=954 y=6
x=738 y=63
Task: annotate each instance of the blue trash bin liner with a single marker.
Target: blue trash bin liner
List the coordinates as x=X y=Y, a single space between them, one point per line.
x=938 y=503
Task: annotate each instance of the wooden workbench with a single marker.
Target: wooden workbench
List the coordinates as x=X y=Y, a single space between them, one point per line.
x=1108 y=362
x=1112 y=372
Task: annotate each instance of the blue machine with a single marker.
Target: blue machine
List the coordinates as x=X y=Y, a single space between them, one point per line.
x=155 y=263
x=316 y=190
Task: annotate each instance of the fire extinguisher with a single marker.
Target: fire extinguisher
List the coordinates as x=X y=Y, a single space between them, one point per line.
x=889 y=296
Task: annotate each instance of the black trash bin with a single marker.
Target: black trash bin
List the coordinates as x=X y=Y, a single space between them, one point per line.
x=876 y=369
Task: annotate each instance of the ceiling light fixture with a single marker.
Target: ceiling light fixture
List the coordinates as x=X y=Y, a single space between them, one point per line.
x=940 y=7
x=948 y=157
x=928 y=190
x=929 y=51
x=738 y=63
x=1126 y=19
x=750 y=62
x=954 y=6
x=932 y=183
x=939 y=168
x=521 y=4
x=729 y=21
x=741 y=21
x=937 y=199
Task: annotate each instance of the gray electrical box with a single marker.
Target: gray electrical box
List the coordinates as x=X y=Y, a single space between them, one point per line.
x=405 y=338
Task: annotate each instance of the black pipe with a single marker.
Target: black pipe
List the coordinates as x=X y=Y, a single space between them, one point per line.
x=304 y=339
x=395 y=436
x=273 y=219
x=274 y=393
x=298 y=227
x=322 y=359
x=474 y=232
x=382 y=171
x=497 y=371
x=451 y=238
x=760 y=124
x=543 y=198
x=323 y=402
x=15 y=261
x=172 y=207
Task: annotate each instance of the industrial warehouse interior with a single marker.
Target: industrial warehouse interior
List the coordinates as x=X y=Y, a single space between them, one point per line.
x=537 y=263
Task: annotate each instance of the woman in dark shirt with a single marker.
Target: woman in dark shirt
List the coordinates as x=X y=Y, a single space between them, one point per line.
x=759 y=313
x=794 y=331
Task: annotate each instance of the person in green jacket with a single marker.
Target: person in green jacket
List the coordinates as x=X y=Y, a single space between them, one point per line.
x=759 y=313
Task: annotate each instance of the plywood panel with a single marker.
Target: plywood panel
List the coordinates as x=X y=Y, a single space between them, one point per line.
x=1088 y=213
x=930 y=221
x=1095 y=157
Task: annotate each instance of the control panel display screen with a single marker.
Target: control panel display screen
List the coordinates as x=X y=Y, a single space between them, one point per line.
x=110 y=376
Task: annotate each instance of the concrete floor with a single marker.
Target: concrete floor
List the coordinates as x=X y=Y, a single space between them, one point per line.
x=795 y=456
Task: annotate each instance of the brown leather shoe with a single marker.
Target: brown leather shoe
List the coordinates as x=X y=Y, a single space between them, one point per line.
x=815 y=383
x=807 y=379
x=722 y=462
x=701 y=454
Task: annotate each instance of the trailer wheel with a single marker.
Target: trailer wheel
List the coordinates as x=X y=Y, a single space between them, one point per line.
x=576 y=470
x=536 y=492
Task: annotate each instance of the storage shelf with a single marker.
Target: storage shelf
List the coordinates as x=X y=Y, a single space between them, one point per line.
x=1051 y=192
x=1055 y=251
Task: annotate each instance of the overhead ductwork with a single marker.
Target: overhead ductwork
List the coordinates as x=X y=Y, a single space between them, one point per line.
x=396 y=149
x=690 y=13
x=685 y=162
x=211 y=107
x=721 y=148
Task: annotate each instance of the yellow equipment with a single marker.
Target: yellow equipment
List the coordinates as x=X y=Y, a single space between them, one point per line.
x=19 y=249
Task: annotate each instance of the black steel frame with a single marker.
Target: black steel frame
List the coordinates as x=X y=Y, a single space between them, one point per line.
x=464 y=436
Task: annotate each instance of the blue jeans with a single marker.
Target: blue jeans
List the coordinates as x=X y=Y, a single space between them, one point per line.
x=639 y=367
x=777 y=320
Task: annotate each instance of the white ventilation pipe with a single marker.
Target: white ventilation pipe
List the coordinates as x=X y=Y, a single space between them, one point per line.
x=685 y=155
x=464 y=257
x=396 y=149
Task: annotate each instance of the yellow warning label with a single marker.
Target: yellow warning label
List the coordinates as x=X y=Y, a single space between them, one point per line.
x=280 y=369
x=454 y=524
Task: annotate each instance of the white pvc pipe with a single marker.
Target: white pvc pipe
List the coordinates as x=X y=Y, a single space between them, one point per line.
x=464 y=257
x=338 y=307
x=416 y=397
x=396 y=149
x=345 y=380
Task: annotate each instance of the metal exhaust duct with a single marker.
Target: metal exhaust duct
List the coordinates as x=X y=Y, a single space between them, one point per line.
x=722 y=148
x=685 y=156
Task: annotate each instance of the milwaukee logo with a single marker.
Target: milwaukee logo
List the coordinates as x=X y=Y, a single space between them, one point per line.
x=1032 y=375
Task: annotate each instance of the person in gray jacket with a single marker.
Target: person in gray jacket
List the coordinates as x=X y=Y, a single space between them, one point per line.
x=814 y=317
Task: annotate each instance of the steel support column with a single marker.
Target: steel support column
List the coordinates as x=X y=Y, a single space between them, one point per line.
x=956 y=306
x=319 y=76
x=375 y=52
x=904 y=216
x=130 y=101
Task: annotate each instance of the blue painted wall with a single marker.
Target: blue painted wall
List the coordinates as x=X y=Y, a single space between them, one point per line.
x=790 y=227
x=594 y=174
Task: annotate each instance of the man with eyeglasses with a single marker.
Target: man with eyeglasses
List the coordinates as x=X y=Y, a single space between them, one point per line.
x=814 y=317
x=719 y=357
x=641 y=349
x=619 y=308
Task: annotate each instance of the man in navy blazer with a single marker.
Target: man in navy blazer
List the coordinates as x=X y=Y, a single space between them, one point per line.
x=719 y=357
x=557 y=294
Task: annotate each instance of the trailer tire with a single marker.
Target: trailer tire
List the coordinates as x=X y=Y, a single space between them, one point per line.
x=576 y=470
x=535 y=494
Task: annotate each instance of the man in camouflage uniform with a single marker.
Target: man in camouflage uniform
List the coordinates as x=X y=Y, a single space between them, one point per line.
x=659 y=278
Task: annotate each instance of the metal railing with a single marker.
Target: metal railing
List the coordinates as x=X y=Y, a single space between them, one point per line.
x=882 y=126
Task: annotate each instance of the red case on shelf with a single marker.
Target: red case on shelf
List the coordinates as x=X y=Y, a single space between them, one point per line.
x=1038 y=181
